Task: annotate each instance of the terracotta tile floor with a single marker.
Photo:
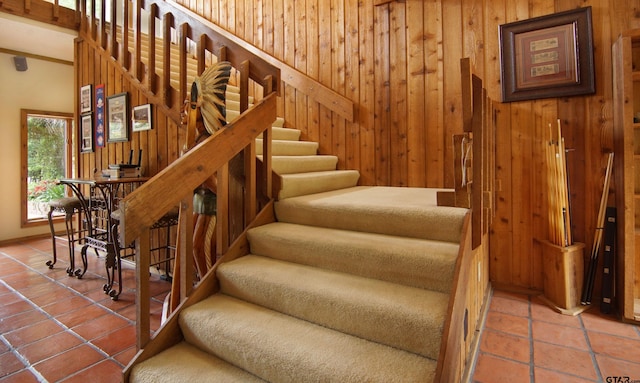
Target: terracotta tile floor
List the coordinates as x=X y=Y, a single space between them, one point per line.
x=523 y=340
x=54 y=328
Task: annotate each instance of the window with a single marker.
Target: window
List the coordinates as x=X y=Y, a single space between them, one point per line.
x=46 y=156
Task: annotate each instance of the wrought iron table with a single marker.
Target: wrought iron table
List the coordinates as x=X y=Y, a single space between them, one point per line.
x=104 y=195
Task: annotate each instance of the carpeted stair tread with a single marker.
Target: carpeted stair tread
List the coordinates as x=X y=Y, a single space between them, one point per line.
x=404 y=317
x=284 y=134
x=302 y=164
x=408 y=212
x=289 y=148
x=280 y=348
x=410 y=261
x=299 y=184
x=184 y=363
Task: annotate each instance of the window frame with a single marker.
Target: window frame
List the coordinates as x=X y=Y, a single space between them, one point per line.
x=70 y=156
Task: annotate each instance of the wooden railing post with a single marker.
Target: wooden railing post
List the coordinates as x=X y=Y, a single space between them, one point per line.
x=125 y=56
x=267 y=85
x=113 y=43
x=185 y=32
x=186 y=247
x=143 y=307
x=167 y=24
x=152 y=82
x=137 y=40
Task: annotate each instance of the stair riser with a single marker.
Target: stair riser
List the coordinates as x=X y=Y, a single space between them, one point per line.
x=412 y=318
x=289 y=148
x=303 y=164
x=279 y=348
x=412 y=262
x=299 y=184
x=375 y=210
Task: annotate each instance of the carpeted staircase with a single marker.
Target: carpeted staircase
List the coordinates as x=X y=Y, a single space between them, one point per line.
x=351 y=284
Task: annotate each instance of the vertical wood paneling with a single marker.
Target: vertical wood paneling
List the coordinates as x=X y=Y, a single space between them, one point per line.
x=382 y=99
x=352 y=78
x=500 y=264
x=398 y=95
x=453 y=51
x=312 y=130
x=268 y=19
x=366 y=104
x=283 y=25
x=325 y=74
x=159 y=146
x=416 y=81
x=435 y=165
x=338 y=81
x=300 y=58
x=399 y=63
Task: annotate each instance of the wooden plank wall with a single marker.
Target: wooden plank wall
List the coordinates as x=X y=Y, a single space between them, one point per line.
x=160 y=146
x=399 y=62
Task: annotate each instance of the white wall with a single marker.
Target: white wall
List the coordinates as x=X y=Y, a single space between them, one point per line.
x=44 y=86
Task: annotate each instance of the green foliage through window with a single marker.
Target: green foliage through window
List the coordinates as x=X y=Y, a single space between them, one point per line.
x=46 y=153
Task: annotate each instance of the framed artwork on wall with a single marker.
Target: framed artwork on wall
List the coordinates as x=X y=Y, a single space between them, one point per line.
x=118 y=117
x=141 y=118
x=86 y=133
x=86 y=99
x=547 y=56
x=99 y=134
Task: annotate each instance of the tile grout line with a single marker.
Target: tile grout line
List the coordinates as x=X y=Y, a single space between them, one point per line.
x=532 y=375
x=27 y=366
x=60 y=284
x=594 y=360
x=66 y=328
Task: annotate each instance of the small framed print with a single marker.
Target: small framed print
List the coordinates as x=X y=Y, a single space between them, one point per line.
x=86 y=99
x=86 y=133
x=99 y=134
x=141 y=118
x=547 y=56
x=118 y=117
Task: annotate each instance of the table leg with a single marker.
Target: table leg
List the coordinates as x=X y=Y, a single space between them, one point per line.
x=50 y=263
x=79 y=273
x=112 y=264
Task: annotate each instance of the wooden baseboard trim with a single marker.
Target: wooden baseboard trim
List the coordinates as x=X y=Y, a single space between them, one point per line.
x=475 y=342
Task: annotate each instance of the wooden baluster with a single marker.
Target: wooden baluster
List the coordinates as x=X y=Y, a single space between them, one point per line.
x=250 y=203
x=125 y=55
x=201 y=53
x=184 y=34
x=56 y=10
x=152 y=82
x=222 y=214
x=166 y=65
x=113 y=42
x=103 y=23
x=143 y=308
x=137 y=40
x=266 y=145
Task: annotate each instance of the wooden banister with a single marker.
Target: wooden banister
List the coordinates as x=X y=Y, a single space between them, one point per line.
x=153 y=199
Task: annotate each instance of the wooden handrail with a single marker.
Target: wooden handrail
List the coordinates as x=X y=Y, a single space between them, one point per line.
x=174 y=185
x=43 y=11
x=150 y=201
